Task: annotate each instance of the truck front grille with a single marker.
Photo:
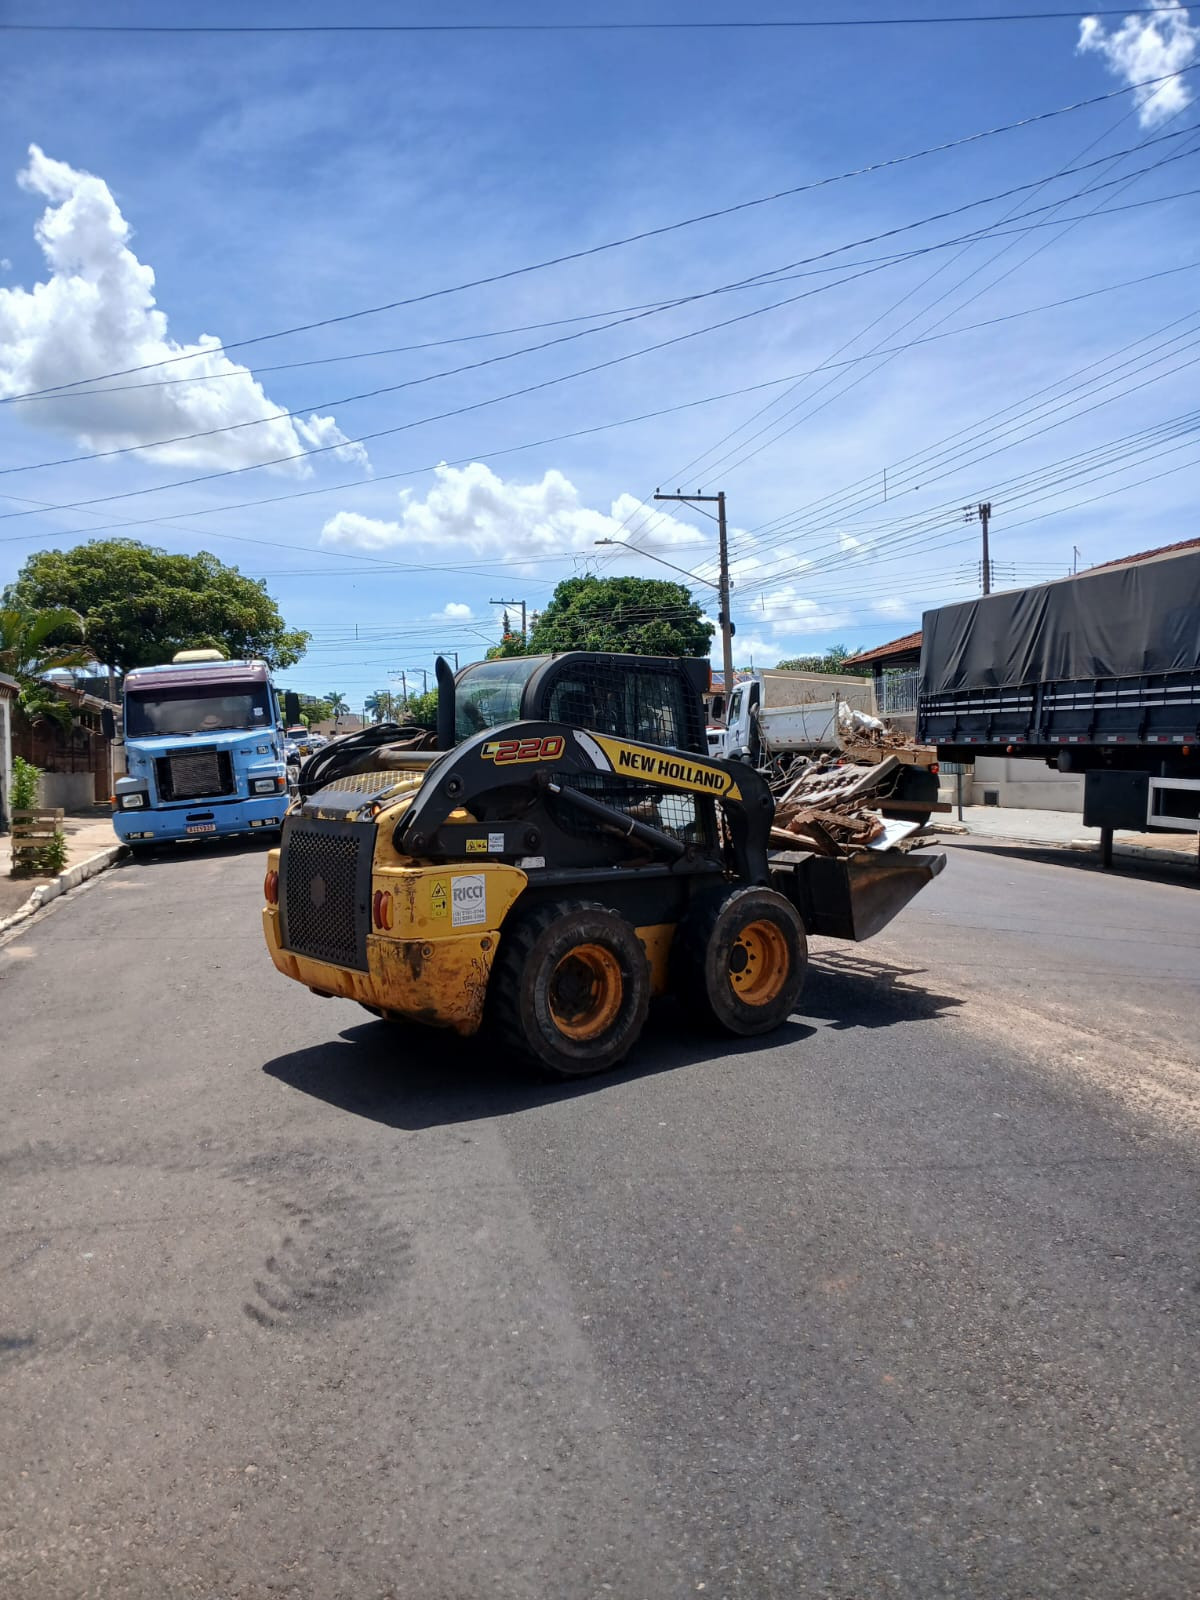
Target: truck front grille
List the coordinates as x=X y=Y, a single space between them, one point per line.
x=325 y=889
x=195 y=774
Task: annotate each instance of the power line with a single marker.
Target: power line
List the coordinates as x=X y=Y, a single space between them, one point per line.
x=614 y=244
x=743 y=25
x=546 y=383
x=743 y=455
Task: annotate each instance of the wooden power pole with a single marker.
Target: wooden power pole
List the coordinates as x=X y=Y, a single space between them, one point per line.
x=723 y=618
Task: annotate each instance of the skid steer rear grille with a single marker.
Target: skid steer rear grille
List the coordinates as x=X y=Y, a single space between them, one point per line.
x=325 y=890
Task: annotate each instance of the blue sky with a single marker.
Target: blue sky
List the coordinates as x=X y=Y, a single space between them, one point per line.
x=223 y=187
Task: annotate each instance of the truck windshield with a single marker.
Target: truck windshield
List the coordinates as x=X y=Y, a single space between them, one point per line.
x=489 y=695
x=190 y=709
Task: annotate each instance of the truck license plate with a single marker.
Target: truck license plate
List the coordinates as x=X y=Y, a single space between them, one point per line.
x=202 y=827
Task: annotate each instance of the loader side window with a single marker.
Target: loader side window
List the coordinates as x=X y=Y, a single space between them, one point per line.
x=489 y=695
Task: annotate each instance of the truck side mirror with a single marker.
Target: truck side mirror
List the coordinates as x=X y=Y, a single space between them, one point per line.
x=108 y=723
x=291 y=708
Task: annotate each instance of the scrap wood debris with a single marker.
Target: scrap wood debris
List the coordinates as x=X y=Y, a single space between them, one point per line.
x=826 y=807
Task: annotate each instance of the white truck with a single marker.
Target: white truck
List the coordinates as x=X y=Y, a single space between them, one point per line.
x=792 y=713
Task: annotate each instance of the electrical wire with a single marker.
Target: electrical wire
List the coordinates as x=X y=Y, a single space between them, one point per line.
x=614 y=244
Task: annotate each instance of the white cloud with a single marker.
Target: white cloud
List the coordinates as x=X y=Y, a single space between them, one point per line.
x=96 y=313
x=1147 y=47
x=786 y=609
x=5 y=264
x=470 y=509
x=454 y=611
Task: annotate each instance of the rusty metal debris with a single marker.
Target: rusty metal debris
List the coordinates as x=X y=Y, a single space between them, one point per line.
x=826 y=806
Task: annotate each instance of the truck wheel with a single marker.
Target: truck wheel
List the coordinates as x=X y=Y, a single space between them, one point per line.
x=570 y=988
x=739 y=960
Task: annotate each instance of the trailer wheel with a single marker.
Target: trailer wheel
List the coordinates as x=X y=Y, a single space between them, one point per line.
x=570 y=988
x=739 y=960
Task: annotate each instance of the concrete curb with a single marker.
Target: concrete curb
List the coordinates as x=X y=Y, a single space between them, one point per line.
x=70 y=879
x=1141 y=852
x=1136 y=852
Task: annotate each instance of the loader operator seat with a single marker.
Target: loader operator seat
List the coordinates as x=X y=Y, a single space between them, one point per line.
x=572 y=703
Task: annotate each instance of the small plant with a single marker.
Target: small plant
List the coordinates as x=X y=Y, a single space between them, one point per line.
x=22 y=795
x=52 y=857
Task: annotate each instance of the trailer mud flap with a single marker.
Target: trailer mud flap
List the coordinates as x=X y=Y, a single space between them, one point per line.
x=856 y=897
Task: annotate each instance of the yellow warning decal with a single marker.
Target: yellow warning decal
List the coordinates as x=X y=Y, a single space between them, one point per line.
x=437 y=900
x=477 y=847
x=671 y=770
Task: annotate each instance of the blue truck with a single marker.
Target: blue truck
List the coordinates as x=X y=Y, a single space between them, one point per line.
x=203 y=751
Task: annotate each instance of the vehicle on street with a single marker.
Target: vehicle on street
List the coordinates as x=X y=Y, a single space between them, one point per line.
x=1097 y=674
x=203 y=751
x=568 y=852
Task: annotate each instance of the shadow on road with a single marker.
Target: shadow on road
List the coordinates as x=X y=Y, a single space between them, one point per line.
x=1187 y=871
x=412 y=1077
x=847 y=989
x=174 y=850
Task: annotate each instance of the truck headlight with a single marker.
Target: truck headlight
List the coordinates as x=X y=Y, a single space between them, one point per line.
x=130 y=802
x=264 y=785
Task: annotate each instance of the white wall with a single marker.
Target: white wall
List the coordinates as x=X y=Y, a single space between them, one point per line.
x=1027 y=783
x=69 y=790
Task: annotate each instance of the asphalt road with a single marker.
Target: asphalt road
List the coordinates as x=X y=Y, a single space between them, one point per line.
x=904 y=1302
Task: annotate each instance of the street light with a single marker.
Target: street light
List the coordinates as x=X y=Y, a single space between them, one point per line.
x=637 y=550
x=722 y=588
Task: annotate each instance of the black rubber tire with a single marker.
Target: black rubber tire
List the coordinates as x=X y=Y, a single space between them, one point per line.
x=533 y=945
x=704 y=946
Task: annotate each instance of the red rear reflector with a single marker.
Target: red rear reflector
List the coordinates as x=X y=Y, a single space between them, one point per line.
x=935 y=768
x=381 y=910
x=271 y=888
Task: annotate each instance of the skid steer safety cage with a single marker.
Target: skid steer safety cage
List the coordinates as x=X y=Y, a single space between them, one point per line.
x=325 y=890
x=688 y=818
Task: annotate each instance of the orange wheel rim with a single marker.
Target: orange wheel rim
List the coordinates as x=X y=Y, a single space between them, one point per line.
x=759 y=963
x=585 y=992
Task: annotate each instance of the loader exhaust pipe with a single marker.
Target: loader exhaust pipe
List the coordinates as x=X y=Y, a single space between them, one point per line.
x=445 y=711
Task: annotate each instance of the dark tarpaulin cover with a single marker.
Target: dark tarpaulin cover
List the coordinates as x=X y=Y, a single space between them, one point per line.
x=1113 y=623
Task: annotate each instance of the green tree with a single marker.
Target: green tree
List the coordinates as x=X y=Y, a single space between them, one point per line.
x=313 y=711
x=640 y=616
x=140 y=605
x=511 y=644
x=381 y=705
x=27 y=654
x=832 y=661
x=338 y=704
x=422 y=710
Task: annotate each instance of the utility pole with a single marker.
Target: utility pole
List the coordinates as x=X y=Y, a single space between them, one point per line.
x=520 y=603
x=984 y=512
x=727 y=628
x=1074 y=559
x=453 y=653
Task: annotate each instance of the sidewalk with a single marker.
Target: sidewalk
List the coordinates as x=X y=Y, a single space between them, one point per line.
x=88 y=832
x=1064 y=830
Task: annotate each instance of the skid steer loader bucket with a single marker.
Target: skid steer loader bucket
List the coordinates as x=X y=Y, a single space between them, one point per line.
x=854 y=897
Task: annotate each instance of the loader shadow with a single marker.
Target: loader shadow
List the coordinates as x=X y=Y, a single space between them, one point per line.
x=413 y=1078
x=410 y=1078
x=847 y=989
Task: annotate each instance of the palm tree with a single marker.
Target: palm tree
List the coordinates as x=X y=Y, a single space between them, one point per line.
x=27 y=655
x=380 y=705
x=338 y=704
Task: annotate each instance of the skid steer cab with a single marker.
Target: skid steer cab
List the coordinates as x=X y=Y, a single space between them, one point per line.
x=563 y=852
